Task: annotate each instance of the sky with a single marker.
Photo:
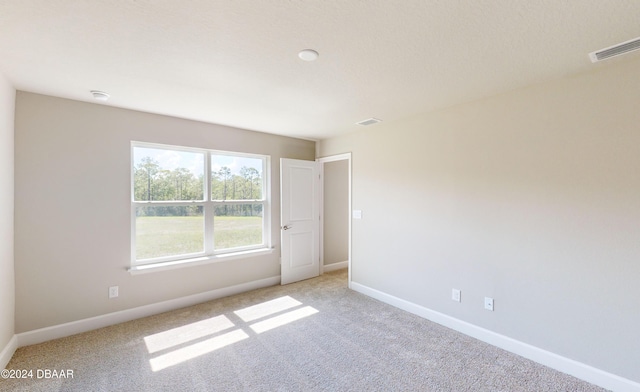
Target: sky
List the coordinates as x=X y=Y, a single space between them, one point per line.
x=194 y=162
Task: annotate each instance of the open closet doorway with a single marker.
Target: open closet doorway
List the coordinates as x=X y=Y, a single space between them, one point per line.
x=335 y=205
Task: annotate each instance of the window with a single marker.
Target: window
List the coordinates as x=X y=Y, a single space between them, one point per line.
x=191 y=203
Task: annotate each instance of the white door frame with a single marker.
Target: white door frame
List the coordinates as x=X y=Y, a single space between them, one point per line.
x=322 y=161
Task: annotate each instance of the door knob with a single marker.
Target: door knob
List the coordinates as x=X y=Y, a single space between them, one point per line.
x=286 y=227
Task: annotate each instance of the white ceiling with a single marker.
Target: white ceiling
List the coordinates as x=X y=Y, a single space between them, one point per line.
x=234 y=62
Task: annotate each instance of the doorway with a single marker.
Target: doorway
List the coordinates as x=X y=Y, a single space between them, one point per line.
x=335 y=210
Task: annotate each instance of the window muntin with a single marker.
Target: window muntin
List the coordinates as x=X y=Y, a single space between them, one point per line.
x=172 y=220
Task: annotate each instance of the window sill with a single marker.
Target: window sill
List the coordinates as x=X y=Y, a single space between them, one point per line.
x=175 y=264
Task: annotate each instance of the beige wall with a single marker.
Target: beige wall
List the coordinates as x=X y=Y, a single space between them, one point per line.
x=7 y=288
x=336 y=212
x=72 y=208
x=531 y=197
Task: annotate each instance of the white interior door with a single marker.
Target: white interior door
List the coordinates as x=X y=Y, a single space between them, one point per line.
x=299 y=219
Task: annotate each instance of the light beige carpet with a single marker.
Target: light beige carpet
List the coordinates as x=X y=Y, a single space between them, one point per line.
x=315 y=335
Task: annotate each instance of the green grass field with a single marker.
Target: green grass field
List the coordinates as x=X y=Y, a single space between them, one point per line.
x=158 y=236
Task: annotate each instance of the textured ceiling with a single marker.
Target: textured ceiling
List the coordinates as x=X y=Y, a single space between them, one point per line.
x=235 y=62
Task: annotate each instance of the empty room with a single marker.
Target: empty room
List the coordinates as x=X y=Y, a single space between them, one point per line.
x=319 y=195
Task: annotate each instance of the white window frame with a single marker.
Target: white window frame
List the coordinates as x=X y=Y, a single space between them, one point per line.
x=208 y=205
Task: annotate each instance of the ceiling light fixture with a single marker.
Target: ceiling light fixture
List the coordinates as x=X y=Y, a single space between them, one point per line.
x=308 y=55
x=100 y=95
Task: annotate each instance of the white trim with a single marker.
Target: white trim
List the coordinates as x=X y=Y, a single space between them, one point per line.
x=75 y=327
x=350 y=212
x=332 y=158
x=321 y=212
x=8 y=351
x=336 y=266
x=577 y=369
x=192 y=262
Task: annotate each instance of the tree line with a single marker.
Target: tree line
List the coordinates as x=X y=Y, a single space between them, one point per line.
x=153 y=183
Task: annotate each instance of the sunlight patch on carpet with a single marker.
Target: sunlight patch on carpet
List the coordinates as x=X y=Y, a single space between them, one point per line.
x=267 y=308
x=186 y=333
x=180 y=344
x=195 y=350
x=283 y=319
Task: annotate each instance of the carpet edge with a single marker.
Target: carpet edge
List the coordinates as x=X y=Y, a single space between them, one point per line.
x=569 y=366
x=74 y=327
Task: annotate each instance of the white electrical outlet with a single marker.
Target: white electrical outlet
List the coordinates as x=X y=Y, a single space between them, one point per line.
x=488 y=303
x=455 y=295
x=113 y=291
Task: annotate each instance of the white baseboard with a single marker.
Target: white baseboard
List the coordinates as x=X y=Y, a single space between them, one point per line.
x=577 y=369
x=335 y=266
x=84 y=325
x=7 y=352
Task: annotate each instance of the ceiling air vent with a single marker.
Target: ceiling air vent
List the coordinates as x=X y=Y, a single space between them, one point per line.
x=615 y=50
x=369 y=121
